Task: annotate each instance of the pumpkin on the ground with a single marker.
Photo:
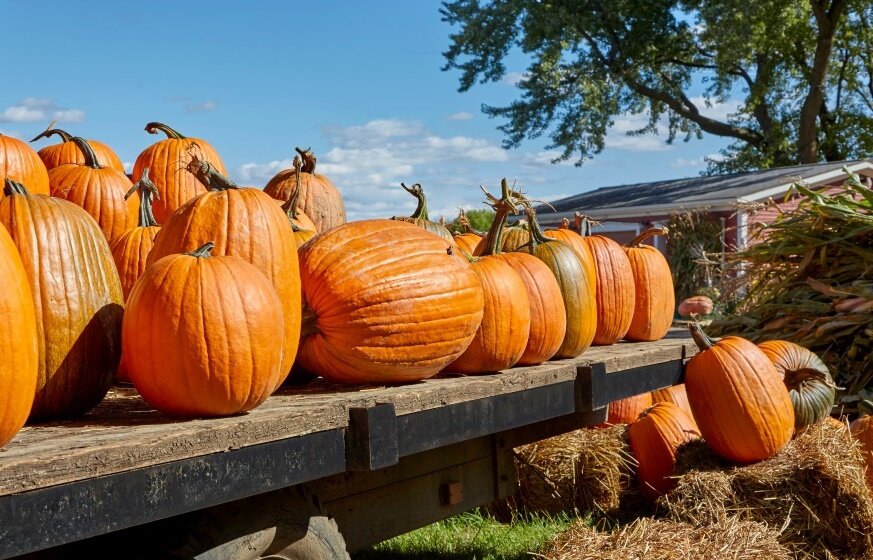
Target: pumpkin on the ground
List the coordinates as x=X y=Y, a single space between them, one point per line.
x=19 y=162
x=695 y=305
x=67 y=151
x=653 y=289
x=203 y=335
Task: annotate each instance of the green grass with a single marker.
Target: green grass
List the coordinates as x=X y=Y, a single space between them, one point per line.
x=470 y=536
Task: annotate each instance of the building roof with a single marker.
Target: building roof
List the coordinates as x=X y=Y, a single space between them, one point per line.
x=714 y=192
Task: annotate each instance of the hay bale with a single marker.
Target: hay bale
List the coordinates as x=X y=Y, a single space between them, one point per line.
x=658 y=539
x=813 y=492
x=580 y=471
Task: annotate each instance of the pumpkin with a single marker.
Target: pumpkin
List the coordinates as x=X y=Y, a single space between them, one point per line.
x=653 y=289
x=385 y=302
x=68 y=152
x=861 y=429
x=695 y=305
x=203 y=335
x=504 y=330
x=21 y=163
x=304 y=229
x=577 y=242
x=807 y=378
x=246 y=223
x=420 y=216
x=18 y=345
x=614 y=287
x=628 y=409
x=101 y=191
x=319 y=199
x=469 y=237
x=674 y=394
x=166 y=161
x=654 y=438
x=515 y=237
x=77 y=295
x=577 y=288
x=739 y=401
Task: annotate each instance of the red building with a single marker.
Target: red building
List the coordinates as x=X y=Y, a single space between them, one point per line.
x=626 y=210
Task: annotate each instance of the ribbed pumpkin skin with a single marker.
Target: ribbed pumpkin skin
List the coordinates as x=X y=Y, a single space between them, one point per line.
x=433 y=227
x=627 y=410
x=548 y=318
x=386 y=303
x=505 y=326
x=653 y=291
x=654 y=438
x=514 y=238
x=319 y=198
x=166 y=161
x=66 y=152
x=245 y=223
x=203 y=336
x=100 y=191
x=78 y=297
x=862 y=430
x=739 y=401
x=615 y=289
x=467 y=242
x=19 y=162
x=675 y=394
x=807 y=378
x=18 y=346
x=130 y=253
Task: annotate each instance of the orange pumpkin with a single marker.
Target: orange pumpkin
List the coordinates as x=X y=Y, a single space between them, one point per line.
x=166 y=161
x=78 y=300
x=68 y=152
x=319 y=199
x=615 y=287
x=18 y=346
x=420 y=216
x=246 y=223
x=695 y=305
x=653 y=289
x=807 y=378
x=628 y=409
x=385 y=303
x=101 y=191
x=577 y=242
x=738 y=398
x=674 y=394
x=861 y=429
x=469 y=238
x=203 y=335
x=21 y=163
x=654 y=438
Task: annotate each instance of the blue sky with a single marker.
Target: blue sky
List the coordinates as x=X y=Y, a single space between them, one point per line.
x=359 y=82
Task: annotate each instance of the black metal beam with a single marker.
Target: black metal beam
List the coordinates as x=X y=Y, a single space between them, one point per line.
x=599 y=388
x=69 y=512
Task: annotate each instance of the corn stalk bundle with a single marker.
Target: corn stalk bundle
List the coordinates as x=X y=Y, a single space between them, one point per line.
x=694 y=253
x=808 y=277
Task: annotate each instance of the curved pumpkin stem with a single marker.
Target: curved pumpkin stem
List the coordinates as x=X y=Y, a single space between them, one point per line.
x=418 y=192
x=465 y=223
x=584 y=224
x=651 y=232
x=87 y=151
x=703 y=341
x=51 y=130
x=155 y=127
x=290 y=205
x=865 y=407
x=503 y=206
x=308 y=159
x=11 y=187
x=147 y=191
x=208 y=175
x=565 y=224
x=204 y=251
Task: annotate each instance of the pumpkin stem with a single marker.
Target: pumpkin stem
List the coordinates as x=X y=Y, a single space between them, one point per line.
x=418 y=192
x=536 y=233
x=651 y=232
x=147 y=190
x=50 y=130
x=11 y=187
x=565 y=224
x=204 y=251
x=308 y=321
x=155 y=127
x=584 y=224
x=308 y=159
x=865 y=407
x=290 y=205
x=703 y=341
x=465 y=223
x=87 y=151
x=503 y=206
x=208 y=175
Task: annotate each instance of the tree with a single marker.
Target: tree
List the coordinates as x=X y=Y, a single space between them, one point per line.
x=479 y=219
x=803 y=72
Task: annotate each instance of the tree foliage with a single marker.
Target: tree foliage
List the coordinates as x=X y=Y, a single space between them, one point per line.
x=799 y=73
x=479 y=219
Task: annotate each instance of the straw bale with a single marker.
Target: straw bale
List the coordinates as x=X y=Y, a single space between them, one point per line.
x=658 y=539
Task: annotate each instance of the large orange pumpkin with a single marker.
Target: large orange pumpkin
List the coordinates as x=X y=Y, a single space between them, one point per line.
x=628 y=409
x=654 y=438
x=19 y=366
x=653 y=289
x=101 y=191
x=809 y=383
x=320 y=199
x=166 y=161
x=21 y=163
x=68 y=152
x=78 y=300
x=385 y=303
x=203 y=335
x=674 y=394
x=246 y=223
x=738 y=398
x=615 y=287
x=420 y=216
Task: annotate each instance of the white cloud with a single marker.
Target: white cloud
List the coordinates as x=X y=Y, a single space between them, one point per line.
x=512 y=78
x=202 y=107
x=462 y=116
x=717 y=110
x=34 y=109
x=682 y=162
